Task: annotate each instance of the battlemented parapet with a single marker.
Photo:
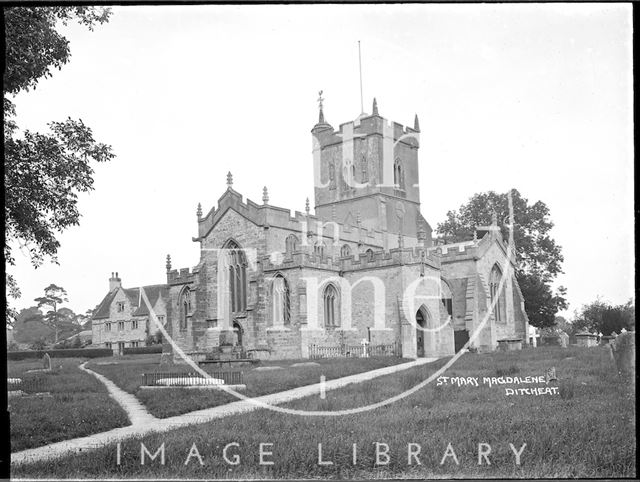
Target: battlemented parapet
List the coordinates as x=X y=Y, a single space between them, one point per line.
x=181 y=276
x=361 y=261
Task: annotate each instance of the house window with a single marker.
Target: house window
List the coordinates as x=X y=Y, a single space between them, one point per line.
x=345 y=250
x=237 y=277
x=161 y=319
x=281 y=301
x=108 y=345
x=107 y=326
x=291 y=243
x=185 y=308
x=499 y=309
x=134 y=324
x=331 y=313
x=134 y=344
x=120 y=306
x=120 y=325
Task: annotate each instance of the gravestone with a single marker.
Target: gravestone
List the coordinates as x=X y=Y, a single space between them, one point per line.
x=550 y=375
x=46 y=361
x=623 y=350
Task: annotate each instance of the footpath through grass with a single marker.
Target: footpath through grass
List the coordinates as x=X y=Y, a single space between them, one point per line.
x=587 y=430
x=126 y=372
x=78 y=405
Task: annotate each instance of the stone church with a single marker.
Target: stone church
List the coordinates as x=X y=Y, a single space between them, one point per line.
x=362 y=269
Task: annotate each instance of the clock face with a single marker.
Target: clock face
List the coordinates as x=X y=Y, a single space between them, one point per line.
x=400 y=210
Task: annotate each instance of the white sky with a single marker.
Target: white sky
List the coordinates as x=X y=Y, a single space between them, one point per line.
x=532 y=97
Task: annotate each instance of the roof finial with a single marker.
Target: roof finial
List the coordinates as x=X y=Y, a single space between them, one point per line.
x=168 y=263
x=306 y=206
x=265 y=195
x=416 y=124
x=321 y=115
x=229 y=180
x=494 y=218
x=333 y=212
x=375 y=106
x=199 y=211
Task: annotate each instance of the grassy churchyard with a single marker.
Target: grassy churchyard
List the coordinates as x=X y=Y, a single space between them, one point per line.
x=585 y=429
x=69 y=403
x=167 y=402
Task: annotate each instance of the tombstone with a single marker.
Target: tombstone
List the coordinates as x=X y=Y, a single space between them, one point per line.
x=623 y=350
x=587 y=339
x=550 y=375
x=46 y=361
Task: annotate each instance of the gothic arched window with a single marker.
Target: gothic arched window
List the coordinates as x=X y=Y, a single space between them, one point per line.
x=398 y=174
x=281 y=301
x=499 y=309
x=318 y=249
x=331 y=306
x=185 y=308
x=345 y=250
x=291 y=243
x=369 y=253
x=237 y=276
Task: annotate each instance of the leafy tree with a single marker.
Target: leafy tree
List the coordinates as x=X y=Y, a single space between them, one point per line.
x=602 y=317
x=53 y=297
x=538 y=257
x=43 y=172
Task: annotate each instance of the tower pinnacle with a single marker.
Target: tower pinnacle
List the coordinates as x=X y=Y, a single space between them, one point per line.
x=229 y=180
x=375 y=107
x=416 y=124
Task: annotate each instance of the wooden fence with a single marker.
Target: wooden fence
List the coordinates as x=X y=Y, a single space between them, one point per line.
x=230 y=377
x=346 y=351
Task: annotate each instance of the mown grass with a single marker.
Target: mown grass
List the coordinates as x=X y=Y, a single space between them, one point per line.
x=589 y=434
x=167 y=402
x=79 y=405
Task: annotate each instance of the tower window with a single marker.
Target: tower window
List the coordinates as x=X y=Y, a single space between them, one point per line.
x=332 y=176
x=365 y=170
x=345 y=250
x=398 y=174
x=291 y=243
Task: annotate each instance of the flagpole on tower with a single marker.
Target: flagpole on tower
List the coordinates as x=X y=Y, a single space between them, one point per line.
x=360 y=66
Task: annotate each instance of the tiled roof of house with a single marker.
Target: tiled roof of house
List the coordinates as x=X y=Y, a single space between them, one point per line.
x=153 y=292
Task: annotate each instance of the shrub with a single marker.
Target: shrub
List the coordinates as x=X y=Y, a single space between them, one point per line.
x=140 y=350
x=70 y=353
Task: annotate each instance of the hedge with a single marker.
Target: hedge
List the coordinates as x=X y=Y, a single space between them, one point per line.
x=141 y=350
x=60 y=353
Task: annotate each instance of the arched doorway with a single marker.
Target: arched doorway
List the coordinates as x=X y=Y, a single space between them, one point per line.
x=237 y=334
x=422 y=317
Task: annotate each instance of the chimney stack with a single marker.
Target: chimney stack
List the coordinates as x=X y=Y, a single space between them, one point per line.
x=114 y=282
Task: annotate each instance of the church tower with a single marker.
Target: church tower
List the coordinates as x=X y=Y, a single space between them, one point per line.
x=368 y=170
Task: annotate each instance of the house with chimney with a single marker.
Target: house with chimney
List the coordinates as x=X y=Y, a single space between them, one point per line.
x=122 y=318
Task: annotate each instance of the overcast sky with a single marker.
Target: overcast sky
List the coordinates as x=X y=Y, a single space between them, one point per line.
x=532 y=97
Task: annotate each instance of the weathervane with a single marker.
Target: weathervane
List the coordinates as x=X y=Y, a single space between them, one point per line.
x=320 y=99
